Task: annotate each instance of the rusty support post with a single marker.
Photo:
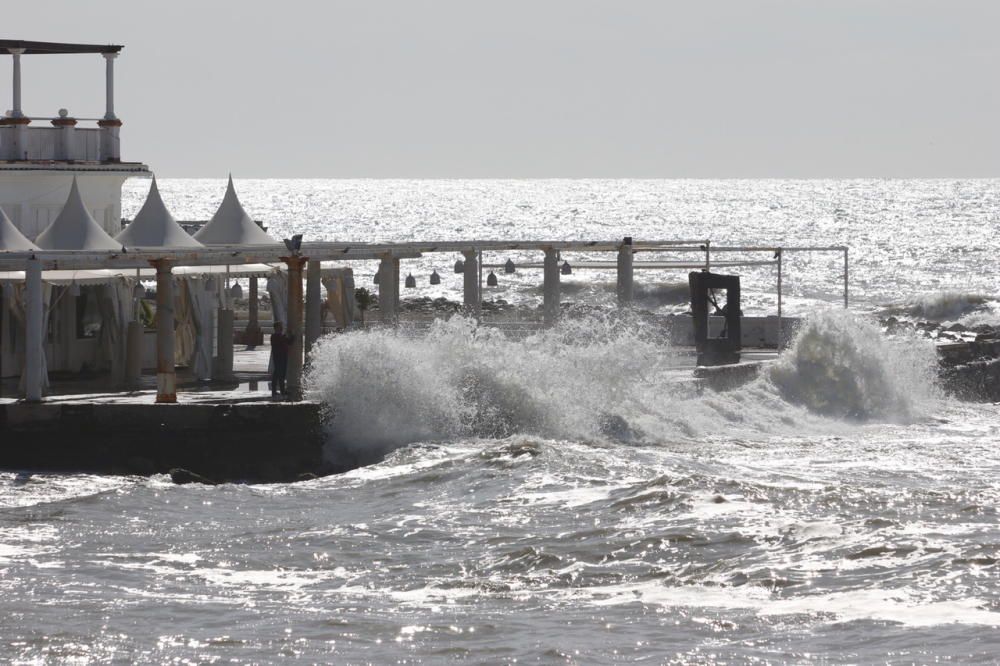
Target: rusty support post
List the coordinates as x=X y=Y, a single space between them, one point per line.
x=166 y=375
x=293 y=380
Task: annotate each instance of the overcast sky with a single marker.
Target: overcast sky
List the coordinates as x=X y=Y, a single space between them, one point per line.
x=536 y=88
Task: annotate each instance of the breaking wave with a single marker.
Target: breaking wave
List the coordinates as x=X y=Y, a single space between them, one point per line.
x=840 y=365
x=609 y=379
x=940 y=306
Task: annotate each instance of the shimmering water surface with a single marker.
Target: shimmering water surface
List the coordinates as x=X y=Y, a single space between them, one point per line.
x=571 y=497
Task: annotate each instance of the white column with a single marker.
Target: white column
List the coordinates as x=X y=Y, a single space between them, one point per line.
x=109 y=87
x=388 y=289
x=550 y=287
x=34 y=311
x=470 y=283
x=314 y=304
x=625 y=285
x=16 y=53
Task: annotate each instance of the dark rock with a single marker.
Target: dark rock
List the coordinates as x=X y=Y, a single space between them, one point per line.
x=182 y=476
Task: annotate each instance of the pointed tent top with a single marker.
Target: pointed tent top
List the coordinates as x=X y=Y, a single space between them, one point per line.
x=154 y=226
x=11 y=238
x=231 y=225
x=75 y=228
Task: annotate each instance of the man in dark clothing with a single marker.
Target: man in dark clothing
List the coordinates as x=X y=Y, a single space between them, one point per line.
x=279 y=357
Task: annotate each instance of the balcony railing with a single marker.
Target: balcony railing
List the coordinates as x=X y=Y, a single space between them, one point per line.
x=60 y=144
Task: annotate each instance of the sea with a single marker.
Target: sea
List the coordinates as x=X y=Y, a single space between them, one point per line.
x=570 y=496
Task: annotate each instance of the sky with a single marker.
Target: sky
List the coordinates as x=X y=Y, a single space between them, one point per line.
x=531 y=88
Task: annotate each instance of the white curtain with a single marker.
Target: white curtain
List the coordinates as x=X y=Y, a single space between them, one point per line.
x=202 y=312
x=340 y=300
x=116 y=312
x=277 y=289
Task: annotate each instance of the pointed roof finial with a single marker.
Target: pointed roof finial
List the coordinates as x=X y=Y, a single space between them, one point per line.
x=11 y=238
x=154 y=226
x=231 y=225
x=75 y=228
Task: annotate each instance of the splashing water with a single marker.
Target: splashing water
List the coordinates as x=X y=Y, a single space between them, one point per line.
x=840 y=365
x=608 y=379
x=388 y=388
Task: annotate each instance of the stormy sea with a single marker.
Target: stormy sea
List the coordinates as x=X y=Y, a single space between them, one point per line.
x=571 y=495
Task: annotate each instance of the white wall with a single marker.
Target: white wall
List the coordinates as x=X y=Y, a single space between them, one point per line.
x=33 y=199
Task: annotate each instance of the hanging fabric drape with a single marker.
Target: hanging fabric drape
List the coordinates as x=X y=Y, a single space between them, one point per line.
x=184 y=329
x=340 y=302
x=277 y=290
x=202 y=314
x=115 y=302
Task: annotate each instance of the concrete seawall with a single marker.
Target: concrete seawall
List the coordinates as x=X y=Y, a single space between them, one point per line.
x=253 y=442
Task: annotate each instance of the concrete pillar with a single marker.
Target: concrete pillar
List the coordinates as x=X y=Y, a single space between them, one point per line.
x=224 y=371
x=388 y=289
x=625 y=285
x=470 y=284
x=18 y=147
x=34 y=340
x=109 y=85
x=293 y=380
x=110 y=144
x=16 y=112
x=253 y=315
x=66 y=142
x=314 y=304
x=551 y=287
x=166 y=376
x=133 y=354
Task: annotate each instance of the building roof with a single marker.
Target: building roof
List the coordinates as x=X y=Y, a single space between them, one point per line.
x=11 y=238
x=75 y=228
x=231 y=225
x=154 y=226
x=37 y=48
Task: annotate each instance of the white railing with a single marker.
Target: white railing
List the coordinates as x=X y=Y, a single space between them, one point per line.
x=51 y=143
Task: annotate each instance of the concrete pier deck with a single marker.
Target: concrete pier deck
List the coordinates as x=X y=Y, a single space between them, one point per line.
x=223 y=432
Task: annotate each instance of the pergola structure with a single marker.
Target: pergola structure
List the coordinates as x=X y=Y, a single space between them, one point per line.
x=109 y=124
x=296 y=256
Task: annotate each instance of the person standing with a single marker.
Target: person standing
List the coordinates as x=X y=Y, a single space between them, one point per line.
x=280 y=344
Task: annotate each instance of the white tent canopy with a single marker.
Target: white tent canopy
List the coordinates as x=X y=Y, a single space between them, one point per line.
x=75 y=228
x=154 y=226
x=231 y=225
x=11 y=238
